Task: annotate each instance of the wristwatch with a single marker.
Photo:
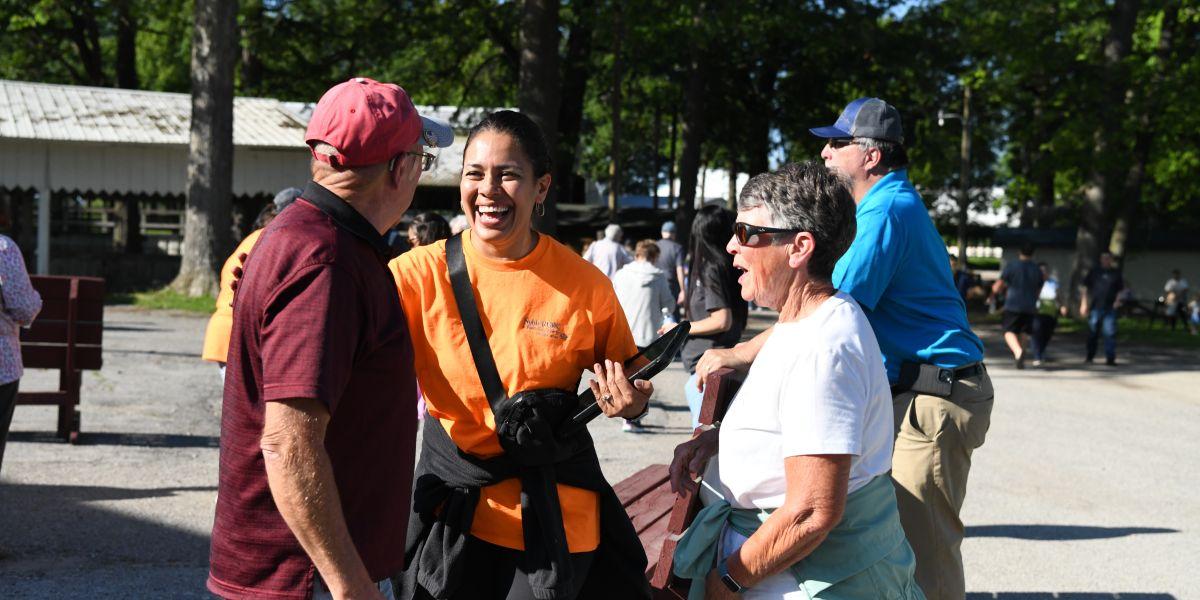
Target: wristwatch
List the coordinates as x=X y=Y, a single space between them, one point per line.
x=723 y=571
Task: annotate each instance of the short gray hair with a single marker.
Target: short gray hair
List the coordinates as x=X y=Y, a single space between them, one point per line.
x=809 y=197
x=893 y=155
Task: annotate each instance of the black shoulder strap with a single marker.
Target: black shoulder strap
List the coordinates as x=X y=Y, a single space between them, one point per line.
x=464 y=297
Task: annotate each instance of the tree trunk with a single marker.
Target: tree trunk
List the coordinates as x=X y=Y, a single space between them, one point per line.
x=616 y=173
x=1098 y=197
x=85 y=35
x=656 y=168
x=574 y=87
x=693 y=133
x=731 y=200
x=1131 y=198
x=251 y=34
x=964 y=177
x=759 y=159
x=672 y=202
x=539 y=86
x=127 y=76
x=206 y=239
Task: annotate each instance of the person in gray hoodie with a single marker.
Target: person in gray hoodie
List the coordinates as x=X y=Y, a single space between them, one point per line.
x=645 y=297
x=644 y=293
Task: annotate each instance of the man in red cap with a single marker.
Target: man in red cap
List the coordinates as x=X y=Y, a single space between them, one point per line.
x=317 y=434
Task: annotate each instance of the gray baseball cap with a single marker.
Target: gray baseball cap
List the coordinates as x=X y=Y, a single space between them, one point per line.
x=285 y=197
x=865 y=118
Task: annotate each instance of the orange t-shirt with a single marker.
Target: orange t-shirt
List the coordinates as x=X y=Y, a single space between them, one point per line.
x=216 y=337
x=548 y=316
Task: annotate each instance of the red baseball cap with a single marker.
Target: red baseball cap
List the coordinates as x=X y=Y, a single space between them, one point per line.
x=370 y=122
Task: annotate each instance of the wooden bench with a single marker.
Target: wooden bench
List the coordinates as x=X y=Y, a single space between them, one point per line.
x=66 y=336
x=657 y=512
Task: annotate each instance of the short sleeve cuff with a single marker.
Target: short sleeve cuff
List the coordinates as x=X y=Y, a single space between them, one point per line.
x=275 y=393
x=826 y=447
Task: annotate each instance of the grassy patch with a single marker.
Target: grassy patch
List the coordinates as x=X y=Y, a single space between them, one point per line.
x=984 y=262
x=164 y=299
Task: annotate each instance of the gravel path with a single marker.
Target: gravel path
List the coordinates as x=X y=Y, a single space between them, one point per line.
x=1082 y=490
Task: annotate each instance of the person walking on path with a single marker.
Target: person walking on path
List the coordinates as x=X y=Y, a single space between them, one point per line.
x=644 y=294
x=1050 y=308
x=1175 y=295
x=645 y=297
x=1098 y=304
x=317 y=434
x=1020 y=282
x=897 y=269
x=607 y=253
x=670 y=260
x=19 y=306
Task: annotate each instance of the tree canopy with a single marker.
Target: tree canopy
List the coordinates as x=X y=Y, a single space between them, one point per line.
x=1079 y=107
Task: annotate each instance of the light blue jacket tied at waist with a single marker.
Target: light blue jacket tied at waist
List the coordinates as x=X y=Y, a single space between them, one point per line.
x=866 y=556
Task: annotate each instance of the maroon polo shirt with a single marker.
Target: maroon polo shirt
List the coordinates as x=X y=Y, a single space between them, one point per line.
x=316 y=316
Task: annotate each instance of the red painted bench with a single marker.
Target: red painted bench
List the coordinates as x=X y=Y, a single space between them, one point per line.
x=66 y=336
x=656 y=511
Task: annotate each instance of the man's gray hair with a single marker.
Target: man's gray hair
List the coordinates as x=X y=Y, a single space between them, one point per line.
x=893 y=155
x=809 y=197
x=612 y=232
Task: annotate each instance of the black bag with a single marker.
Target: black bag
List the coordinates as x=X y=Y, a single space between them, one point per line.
x=527 y=423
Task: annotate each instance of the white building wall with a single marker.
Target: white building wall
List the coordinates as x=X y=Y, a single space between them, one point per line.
x=141 y=169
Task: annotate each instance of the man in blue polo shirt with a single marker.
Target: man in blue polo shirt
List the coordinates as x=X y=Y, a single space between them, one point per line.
x=898 y=270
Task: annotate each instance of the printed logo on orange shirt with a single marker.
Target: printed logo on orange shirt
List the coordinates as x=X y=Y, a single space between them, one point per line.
x=548 y=329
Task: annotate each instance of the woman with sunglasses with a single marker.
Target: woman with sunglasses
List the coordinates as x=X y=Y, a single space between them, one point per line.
x=713 y=300
x=476 y=531
x=799 y=503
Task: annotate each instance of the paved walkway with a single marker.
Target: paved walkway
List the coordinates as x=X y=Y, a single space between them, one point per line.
x=1083 y=489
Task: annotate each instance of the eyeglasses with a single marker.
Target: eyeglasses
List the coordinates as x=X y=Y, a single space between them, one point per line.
x=753 y=235
x=839 y=143
x=427 y=160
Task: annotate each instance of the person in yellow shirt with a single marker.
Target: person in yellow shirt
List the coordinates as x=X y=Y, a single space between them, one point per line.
x=216 y=335
x=549 y=315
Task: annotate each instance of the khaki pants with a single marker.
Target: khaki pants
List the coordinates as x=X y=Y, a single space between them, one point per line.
x=934 y=441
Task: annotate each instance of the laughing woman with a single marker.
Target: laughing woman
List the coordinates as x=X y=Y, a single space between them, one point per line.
x=476 y=531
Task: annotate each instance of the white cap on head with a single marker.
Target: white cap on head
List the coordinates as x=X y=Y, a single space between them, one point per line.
x=612 y=231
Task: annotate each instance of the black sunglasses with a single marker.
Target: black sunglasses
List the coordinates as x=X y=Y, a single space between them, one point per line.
x=839 y=143
x=753 y=235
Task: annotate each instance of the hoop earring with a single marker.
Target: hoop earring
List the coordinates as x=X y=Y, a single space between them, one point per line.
x=539 y=209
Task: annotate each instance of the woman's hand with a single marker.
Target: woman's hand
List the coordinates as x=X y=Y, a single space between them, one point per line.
x=616 y=395
x=662 y=330
x=237 y=273
x=690 y=460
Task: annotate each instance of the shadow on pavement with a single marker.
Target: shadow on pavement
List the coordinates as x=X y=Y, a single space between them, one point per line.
x=668 y=407
x=132 y=327
x=147 y=440
x=52 y=522
x=1060 y=532
x=152 y=352
x=661 y=429
x=1068 y=596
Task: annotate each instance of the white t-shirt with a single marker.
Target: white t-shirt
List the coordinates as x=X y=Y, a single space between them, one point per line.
x=818 y=386
x=608 y=256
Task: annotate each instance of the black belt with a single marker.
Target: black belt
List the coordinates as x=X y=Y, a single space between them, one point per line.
x=909 y=373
